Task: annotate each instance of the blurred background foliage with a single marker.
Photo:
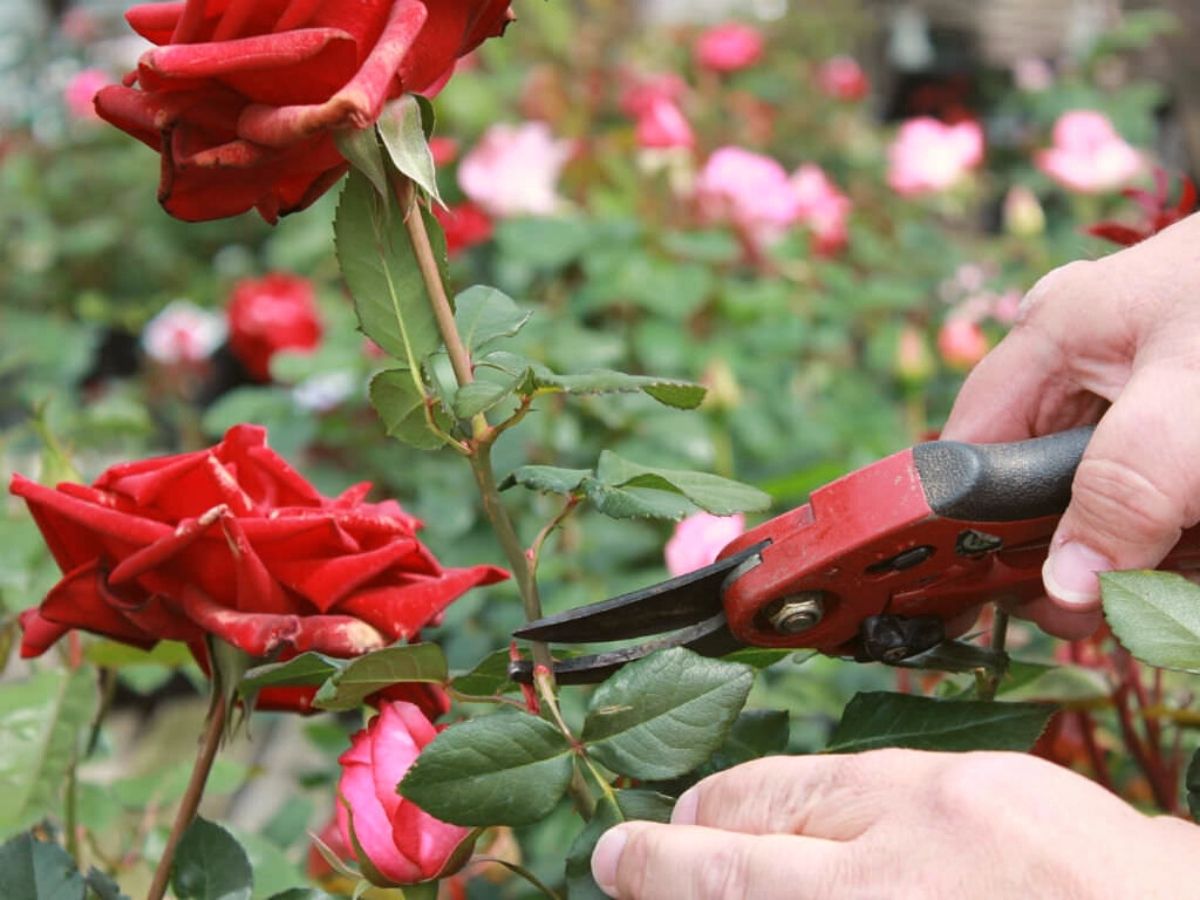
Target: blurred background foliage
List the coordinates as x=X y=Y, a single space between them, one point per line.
x=817 y=362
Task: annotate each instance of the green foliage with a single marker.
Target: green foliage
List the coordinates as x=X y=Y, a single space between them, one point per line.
x=1156 y=616
x=31 y=869
x=645 y=806
x=404 y=134
x=875 y=720
x=211 y=865
x=348 y=687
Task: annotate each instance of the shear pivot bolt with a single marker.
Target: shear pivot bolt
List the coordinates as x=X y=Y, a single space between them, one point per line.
x=797 y=614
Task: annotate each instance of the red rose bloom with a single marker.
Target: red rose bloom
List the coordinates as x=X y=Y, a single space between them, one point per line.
x=242 y=97
x=465 y=226
x=266 y=315
x=233 y=542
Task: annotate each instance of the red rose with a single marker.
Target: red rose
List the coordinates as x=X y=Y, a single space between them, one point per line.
x=403 y=842
x=242 y=97
x=266 y=315
x=465 y=226
x=232 y=541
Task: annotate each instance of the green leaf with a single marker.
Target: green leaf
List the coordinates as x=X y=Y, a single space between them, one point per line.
x=713 y=494
x=758 y=657
x=487 y=391
x=102 y=886
x=401 y=405
x=487 y=679
x=646 y=806
x=664 y=715
x=1192 y=782
x=210 y=865
x=301 y=893
x=35 y=870
x=41 y=721
x=381 y=271
x=360 y=147
x=1053 y=684
x=348 y=688
x=547 y=479
x=484 y=314
x=755 y=733
x=637 y=503
x=305 y=669
x=881 y=719
x=115 y=655
x=273 y=870
x=402 y=129
x=1155 y=616
x=504 y=769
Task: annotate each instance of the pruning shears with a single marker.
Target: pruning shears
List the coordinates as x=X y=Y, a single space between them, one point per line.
x=879 y=565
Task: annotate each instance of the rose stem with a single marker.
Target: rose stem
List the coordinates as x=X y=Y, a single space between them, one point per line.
x=191 y=797
x=481 y=462
x=991 y=682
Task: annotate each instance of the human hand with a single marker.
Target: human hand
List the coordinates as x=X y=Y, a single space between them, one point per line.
x=899 y=823
x=1115 y=340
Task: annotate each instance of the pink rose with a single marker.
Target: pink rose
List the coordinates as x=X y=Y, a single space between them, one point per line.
x=183 y=334
x=643 y=90
x=749 y=189
x=663 y=126
x=928 y=155
x=729 y=47
x=1088 y=155
x=514 y=170
x=81 y=90
x=961 y=342
x=823 y=208
x=842 y=78
x=698 y=539
x=403 y=842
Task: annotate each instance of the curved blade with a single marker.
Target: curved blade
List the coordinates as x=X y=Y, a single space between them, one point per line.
x=663 y=607
x=708 y=638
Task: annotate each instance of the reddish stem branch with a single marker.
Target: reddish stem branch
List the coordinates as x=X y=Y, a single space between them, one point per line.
x=1087 y=728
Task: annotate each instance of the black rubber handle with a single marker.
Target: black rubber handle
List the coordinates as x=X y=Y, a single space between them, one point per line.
x=1001 y=482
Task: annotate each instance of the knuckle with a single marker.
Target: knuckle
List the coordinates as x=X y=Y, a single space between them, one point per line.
x=1066 y=284
x=960 y=793
x=1119 y=501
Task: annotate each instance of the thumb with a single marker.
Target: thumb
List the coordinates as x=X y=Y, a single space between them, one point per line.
x=1136 y=488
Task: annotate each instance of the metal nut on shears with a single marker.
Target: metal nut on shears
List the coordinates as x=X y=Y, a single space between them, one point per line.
x=797 y=613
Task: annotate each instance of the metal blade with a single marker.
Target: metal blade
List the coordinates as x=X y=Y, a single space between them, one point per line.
x=660 y=608
x=708 y=638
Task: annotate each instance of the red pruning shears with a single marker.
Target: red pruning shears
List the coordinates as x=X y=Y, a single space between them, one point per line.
x=875 y=566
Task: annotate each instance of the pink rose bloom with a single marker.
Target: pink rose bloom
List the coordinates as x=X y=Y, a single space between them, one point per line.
x=663 y=126
x=402 y=841
x=183 y=334
x=81 y=90
x=698 y=539
x=729 y=47
x=514 y=170
x=749 y=189
x=823 y=208
x=928 y=155
x=641 y=91
x=961 y=342
x=842 y=78
x=1088 y=155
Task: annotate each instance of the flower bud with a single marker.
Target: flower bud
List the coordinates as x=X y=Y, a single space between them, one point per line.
x=1023 y=214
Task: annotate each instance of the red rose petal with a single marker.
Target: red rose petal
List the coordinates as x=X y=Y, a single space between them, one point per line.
x=38 y=634
x=327 y=581
x=155 y=22
x=399 y=612
x=77 y=601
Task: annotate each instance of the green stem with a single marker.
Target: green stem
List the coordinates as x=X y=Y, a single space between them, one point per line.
x=521 y=871
x=989 y=684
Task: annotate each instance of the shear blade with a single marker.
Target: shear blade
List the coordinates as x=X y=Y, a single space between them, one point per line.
x=708 y=638
x=667 y=606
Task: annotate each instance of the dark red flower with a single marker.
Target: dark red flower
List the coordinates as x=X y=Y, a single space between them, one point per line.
x=233 y=542
x=1156 y=211
x=269 y=314
x=242 y=97
x=465 y=226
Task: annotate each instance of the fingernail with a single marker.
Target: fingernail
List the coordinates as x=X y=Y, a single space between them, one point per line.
x=684 y=812
x=605 y=858
x=1069 y=574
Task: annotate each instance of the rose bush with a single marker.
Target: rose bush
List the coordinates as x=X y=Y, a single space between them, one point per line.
x=242 y=99
x=233 y=542
x=401 y=841
x=269 y=314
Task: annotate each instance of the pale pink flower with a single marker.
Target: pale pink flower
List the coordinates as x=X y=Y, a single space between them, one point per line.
x=641 y=91
x=80 y=92
x=183 y=334
x=1088 y=155
x=928 y=155
x=749 y=189
x=822 y=207
x=961 y=342
x=514 y=170
x=729 y=47
x=843 y=78
x=663 y=126
x=699 y=538
x=1033 y=74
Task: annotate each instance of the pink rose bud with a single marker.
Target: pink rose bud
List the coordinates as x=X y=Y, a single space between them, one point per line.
x=929 y=156
x=663 y=126
x=1023 y=214
x=913 y=362
x=729 y=47
x=183 y=334
x=641 y=91
x=1088 y=156
x=842 y=78
x=402 y=842
x=961 y=342
x=699 y=538
x=81 y=90
x=514 y=170
x=823 y=208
